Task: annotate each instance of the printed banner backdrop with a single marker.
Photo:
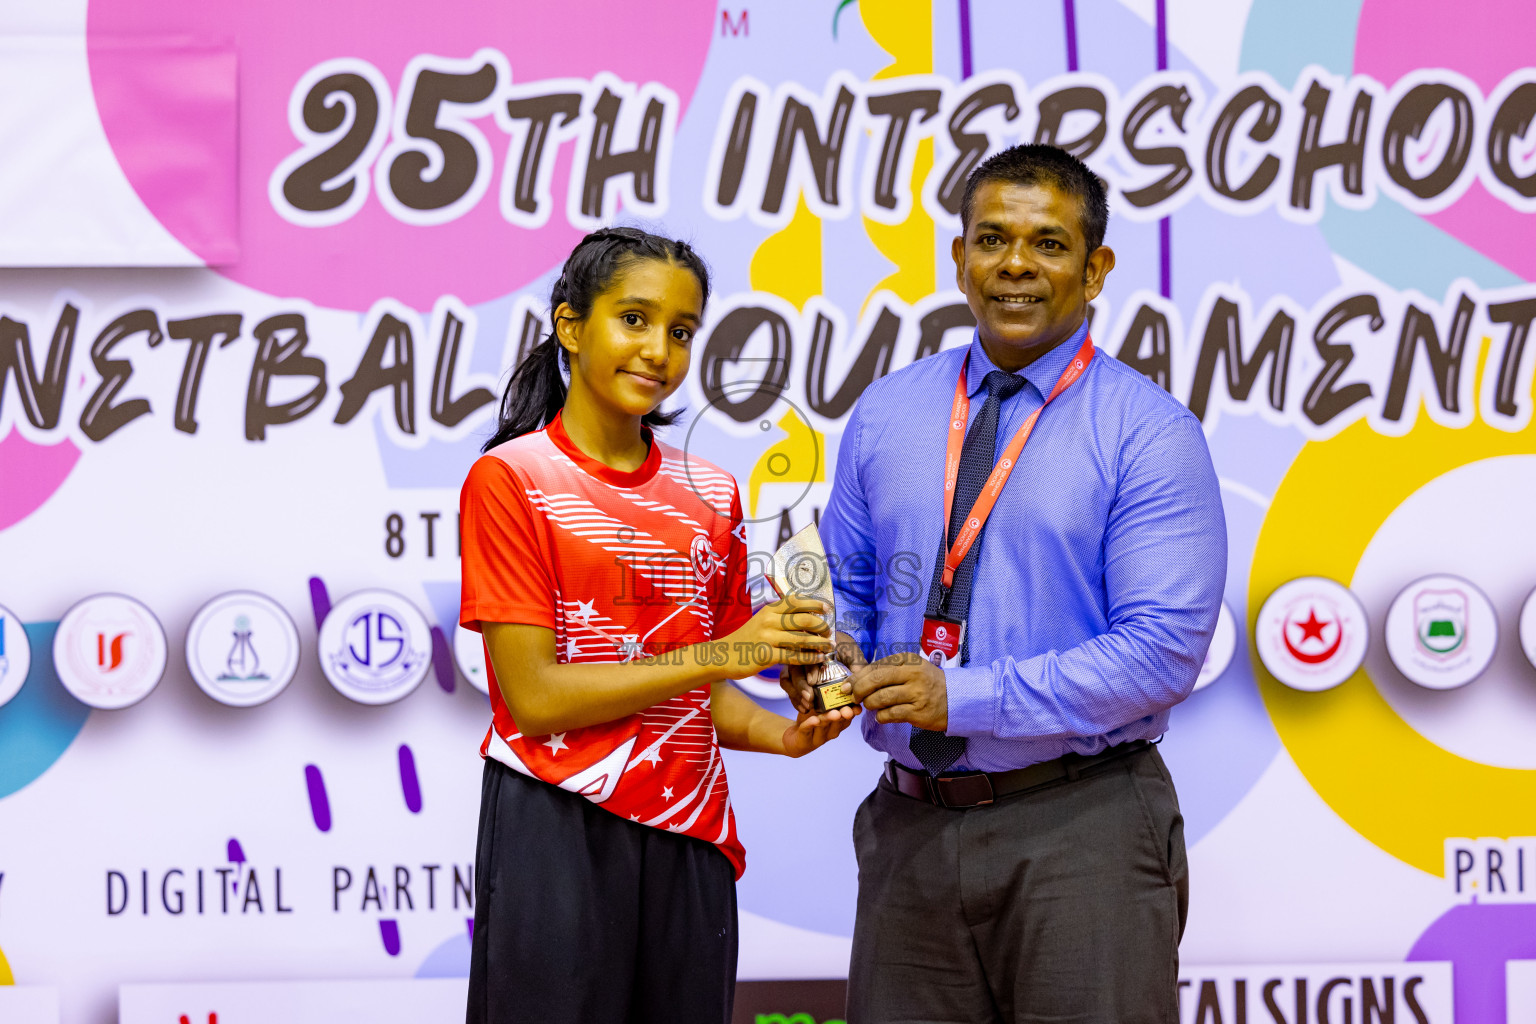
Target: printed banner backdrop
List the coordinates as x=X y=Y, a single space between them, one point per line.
x=267 y=267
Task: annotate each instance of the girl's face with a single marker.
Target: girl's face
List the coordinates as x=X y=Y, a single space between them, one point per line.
x=631 y=351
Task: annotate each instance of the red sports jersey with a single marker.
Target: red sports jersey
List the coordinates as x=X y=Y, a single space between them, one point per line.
x=621 y=566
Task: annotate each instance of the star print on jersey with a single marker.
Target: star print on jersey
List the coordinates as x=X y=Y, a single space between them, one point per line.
x=628 y=646
x=619 y=566
x=697 y=800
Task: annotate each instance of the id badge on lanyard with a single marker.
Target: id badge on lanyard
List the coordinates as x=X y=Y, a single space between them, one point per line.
x=942 y=637
x=941 y=641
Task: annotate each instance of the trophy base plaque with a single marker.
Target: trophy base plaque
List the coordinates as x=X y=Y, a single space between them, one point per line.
x=830 y=697
x=827 y=686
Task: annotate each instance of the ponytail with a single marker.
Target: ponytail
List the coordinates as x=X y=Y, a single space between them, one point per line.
x=536 y=392
x=534 y=395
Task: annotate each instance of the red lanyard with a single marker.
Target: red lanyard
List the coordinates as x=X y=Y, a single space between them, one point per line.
x=958 y=415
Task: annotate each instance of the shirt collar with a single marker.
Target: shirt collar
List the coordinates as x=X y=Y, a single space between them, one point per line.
x=1043 y=373
x=617 y=477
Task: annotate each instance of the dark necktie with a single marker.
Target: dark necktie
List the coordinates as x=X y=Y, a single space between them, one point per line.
x=978 y=456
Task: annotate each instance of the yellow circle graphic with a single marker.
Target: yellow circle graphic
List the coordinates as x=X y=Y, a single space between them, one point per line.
x=1397 y=789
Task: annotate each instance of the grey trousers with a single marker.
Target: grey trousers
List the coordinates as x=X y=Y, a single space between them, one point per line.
x=1063 y=904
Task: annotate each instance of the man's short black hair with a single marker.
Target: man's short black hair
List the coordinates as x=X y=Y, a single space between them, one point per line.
x=1038 y=164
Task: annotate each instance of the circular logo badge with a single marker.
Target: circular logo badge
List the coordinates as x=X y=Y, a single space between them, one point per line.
x=242 y=649
x=109 y=651
x=1312 y=633
x=375 y=647
x=15 y=655
x=469 y=655
x=1441 y=632
x=1223 y=646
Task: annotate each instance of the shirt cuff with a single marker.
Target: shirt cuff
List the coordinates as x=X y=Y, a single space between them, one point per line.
x=969 y=692
x=856 y=626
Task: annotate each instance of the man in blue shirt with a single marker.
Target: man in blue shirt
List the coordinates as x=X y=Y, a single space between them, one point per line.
x=1022 y=857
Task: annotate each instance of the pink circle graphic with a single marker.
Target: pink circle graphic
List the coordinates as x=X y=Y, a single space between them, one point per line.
x=1484 y=42
x=32 y=473
x=162 y=130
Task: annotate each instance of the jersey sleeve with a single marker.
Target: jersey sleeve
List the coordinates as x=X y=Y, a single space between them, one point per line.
x=732 y=601
x=506 y=567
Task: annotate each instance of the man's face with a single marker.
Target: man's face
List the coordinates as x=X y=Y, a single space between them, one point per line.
x=1025 y=270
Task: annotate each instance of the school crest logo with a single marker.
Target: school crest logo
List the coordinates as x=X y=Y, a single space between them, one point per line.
x=1315 y=640
x=242 y=649
x=705 y=562
x=375 y=647
x=1440 y=622
x=1441 y=632
x=1312 y=633
x=109 y=651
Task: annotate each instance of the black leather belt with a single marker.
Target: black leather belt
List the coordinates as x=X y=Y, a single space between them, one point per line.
x=976 y=789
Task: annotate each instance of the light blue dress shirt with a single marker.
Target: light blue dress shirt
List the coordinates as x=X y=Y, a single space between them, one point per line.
x=1101 y=567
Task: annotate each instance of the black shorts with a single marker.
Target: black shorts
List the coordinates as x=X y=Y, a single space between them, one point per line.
x=584 y=917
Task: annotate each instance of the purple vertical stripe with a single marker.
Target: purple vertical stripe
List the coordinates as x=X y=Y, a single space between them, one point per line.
x=1164 y=226
x=470 y=922
x=965 y=38
x=389 y=931
x=1069 y=15
x=409 y=784
x=442 y=660
x=1165 y=257
x=319 y=599
x=319 y=805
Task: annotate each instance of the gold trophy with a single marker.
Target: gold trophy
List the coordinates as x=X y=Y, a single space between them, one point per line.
x=800 y=568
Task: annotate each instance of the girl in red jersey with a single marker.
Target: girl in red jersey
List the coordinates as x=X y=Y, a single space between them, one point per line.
x=607 y=572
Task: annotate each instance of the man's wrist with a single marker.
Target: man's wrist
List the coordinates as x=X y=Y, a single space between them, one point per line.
x=843 y=636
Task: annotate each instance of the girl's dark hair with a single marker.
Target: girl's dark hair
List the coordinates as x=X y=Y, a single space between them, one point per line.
x=536 y=392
